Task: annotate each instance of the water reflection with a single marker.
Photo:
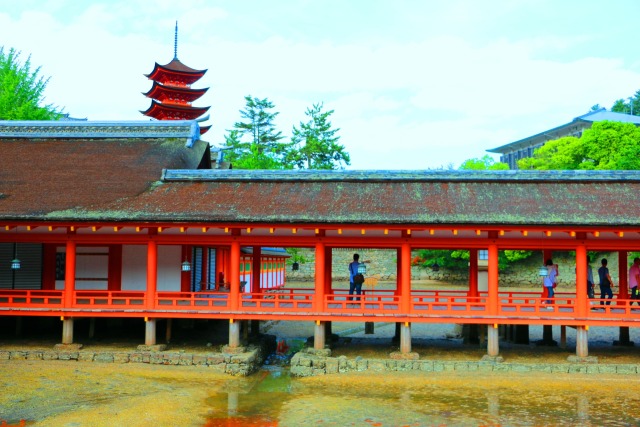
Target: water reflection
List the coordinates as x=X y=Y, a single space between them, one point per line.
x=427 y=400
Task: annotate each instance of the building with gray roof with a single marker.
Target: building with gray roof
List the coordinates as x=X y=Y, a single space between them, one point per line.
x=514 y=151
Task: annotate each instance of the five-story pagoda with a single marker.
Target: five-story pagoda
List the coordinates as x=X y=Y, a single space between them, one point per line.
x=171 y=94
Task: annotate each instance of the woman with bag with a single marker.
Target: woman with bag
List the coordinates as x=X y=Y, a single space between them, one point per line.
x=549 y=281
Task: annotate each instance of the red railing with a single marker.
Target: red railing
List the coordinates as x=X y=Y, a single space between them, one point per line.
x=192 y=300
x=532 y=304
x=109 y=299
x=370 y=302
x=31 y=298
x=280 y=300
x=446 y=304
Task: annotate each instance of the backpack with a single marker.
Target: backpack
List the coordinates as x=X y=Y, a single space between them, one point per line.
x=358 y=278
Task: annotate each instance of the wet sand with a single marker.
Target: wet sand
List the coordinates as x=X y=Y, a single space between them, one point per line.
x=66 y=393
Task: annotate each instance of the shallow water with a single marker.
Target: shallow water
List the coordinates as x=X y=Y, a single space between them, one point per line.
x=75 y=394
x=430 y=400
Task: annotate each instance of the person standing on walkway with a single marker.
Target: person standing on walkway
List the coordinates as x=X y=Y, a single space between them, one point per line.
x=355 y=283
x=605 y=282
x=634 y=279
x=549 y=280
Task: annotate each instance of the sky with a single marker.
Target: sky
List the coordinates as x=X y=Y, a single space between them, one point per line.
x=414 y=84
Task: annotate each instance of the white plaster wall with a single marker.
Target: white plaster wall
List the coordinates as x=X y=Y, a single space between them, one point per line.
x=93 y=267
x=483 y=281
x=169 y=267
x=134 y=267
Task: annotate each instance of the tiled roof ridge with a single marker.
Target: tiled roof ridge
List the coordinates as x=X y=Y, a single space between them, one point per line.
x=189 y=129
x=238 y=175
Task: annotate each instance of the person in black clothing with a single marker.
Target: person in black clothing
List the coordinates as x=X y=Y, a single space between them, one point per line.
x=605 y=282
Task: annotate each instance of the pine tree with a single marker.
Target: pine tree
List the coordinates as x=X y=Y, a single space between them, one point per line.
x=315 y=144
x=255 y=143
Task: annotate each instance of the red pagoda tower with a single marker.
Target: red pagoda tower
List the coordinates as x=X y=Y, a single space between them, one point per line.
x=171 y=94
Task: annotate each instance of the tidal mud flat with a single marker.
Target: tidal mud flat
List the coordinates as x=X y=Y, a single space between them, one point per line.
x=69 y=393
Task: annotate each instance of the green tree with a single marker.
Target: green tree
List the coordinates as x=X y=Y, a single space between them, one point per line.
x=485 y=163
x=560 y=154
x=315 y=144
x=22 y=90
x=630 y=107
x=255 y=143
x=606 y=146
x=450 y=260
x=458 y=260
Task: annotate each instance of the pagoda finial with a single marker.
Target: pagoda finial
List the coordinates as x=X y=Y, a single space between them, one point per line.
x=175 y=43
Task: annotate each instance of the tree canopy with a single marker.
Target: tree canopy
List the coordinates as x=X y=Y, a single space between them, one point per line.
x=315 y=144
x=630 y=107
x=606 y=146
x=255 y=143
x=485 y=163
x=22 y=90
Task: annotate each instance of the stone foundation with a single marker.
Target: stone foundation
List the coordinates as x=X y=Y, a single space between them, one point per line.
x=307 y=363
x=232 y=363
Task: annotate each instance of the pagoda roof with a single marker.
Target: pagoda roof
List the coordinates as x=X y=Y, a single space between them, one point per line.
x=175 y=71
x=162 y=111
x=164 y=92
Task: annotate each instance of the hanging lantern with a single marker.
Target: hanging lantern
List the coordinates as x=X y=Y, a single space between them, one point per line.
x=295 y=266
x=15 y=263
x=362 y=268
x=543 y=272
x=186 y=265
x=435 y=267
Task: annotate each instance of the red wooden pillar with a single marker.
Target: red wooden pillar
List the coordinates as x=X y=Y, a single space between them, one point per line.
x=396 y=291
x=49 y=266
x=70 y=273
x=115 y=268
x=405 y=279
x=623 y=283
x=492 y=274
x=152 y=270
x=319 y=277
x=256 y=270
x=328 y=269
x=581 y=280
x=473 y=273
x=234 y=275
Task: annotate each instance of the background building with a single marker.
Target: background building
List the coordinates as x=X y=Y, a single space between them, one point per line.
x=514 y=151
